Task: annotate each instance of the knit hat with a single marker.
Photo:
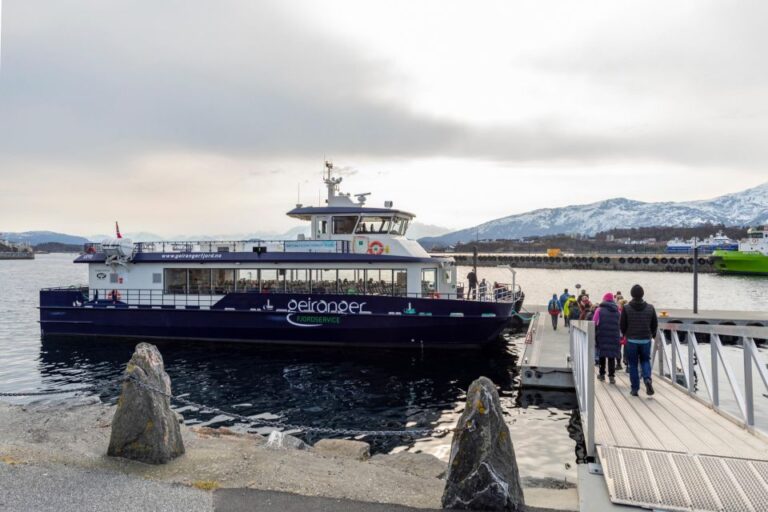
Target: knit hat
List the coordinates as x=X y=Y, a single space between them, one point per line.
x=608 y=297
x=637 y=292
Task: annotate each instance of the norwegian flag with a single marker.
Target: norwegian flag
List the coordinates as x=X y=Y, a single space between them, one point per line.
x=117 y=230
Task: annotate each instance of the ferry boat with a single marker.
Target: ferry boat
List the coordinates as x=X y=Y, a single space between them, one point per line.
x=356 y=280
x=751 y=257
x=717 y=242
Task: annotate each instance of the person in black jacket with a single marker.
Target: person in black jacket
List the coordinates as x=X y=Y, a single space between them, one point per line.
x=639 y=324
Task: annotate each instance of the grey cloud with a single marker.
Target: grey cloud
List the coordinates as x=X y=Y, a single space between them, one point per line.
x=92 y=81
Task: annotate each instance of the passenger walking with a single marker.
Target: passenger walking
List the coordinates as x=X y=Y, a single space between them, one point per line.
x=563 y=299
x=472 y=280
x=570 y=304
x=483 y=289
x=573 y=310
x=639 y=324
x=584 y=306
x=607 y=336
x=554 y=310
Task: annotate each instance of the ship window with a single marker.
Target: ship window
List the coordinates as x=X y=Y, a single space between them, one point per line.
x=375 y=225
x=400 y=279
x=297 y=281
x=199 y=280
x=379 y=282
x=344 y=225
x=223 y=280
x=175 y=280
x=272 y=280
x=323 y=281
x=428 y=281
x=399 y=226
x=352 y=282
x=157 y=278
x=322 y=227
x=113 y=278
x=247 y=280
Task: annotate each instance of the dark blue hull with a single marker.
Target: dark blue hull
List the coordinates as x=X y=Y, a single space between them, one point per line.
x=364 y=321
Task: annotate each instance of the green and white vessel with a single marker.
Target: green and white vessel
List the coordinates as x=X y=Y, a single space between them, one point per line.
x=750 y=259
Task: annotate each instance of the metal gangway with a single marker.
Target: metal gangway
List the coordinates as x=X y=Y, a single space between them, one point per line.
x=694 y=444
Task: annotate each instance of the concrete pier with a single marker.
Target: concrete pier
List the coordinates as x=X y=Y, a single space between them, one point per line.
x=595 y=261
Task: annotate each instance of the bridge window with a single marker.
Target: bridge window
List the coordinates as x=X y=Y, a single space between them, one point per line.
x=247 y=280
x=323 y=281
x=399 y=226
x=374 y=225
x=344 y=225
x=175 y=280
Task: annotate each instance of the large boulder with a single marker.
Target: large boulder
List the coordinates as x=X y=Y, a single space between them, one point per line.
x=144 y=427
x=482 y=471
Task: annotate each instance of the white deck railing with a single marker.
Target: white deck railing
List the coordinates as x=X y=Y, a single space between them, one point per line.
x=668 y=353
x=582 y=339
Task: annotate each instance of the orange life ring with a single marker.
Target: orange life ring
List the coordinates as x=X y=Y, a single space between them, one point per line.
x=376 y=248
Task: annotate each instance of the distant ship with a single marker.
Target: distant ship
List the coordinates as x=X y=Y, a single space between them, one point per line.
x=718 y=242
x=751 y=258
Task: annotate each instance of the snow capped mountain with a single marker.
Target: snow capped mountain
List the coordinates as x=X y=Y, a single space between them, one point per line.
x=749 y=207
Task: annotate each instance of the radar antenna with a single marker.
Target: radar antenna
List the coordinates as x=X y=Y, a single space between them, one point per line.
x=331 y=182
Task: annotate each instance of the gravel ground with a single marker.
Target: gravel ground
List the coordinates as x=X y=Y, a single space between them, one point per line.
x=59 y=488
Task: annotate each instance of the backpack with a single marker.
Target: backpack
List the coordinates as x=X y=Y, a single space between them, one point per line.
x=554 y=307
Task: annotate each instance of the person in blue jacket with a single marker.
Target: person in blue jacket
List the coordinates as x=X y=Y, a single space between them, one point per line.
x=554 y=310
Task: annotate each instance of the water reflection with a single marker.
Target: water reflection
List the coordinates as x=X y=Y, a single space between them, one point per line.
x=316 y=387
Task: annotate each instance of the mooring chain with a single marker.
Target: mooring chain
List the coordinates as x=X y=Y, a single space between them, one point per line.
x=99 y=387
x=424 y=432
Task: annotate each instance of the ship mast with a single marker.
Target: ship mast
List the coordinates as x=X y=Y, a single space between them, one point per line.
x=331 y=182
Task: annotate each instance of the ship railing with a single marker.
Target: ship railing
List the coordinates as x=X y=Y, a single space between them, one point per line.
x=205 y=297
x=681 y=361
x=239 y=246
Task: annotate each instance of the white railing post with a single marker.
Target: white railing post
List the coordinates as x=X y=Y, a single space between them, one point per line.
x=714 y=341
x=590 y=374
x=691 y=339
x=749 y=398
x=673 y=366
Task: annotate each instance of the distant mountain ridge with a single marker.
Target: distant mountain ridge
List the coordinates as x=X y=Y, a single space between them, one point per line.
x=749 y=207
x=416 y=230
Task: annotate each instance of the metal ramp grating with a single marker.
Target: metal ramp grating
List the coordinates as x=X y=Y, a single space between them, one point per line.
x=678 y=481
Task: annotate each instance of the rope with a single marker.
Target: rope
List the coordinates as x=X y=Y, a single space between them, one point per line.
x=422 y=432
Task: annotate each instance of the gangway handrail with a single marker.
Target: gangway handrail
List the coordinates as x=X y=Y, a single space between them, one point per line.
x=582 y=340
x=667 y=352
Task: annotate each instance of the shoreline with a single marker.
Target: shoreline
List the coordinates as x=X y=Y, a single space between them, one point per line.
x=75 y=435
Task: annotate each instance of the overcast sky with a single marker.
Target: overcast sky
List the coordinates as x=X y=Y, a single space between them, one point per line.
x=192 y=117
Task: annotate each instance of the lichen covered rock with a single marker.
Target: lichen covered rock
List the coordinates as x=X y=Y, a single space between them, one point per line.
x=344 y=448
x=482 y=471
x=145 y=428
